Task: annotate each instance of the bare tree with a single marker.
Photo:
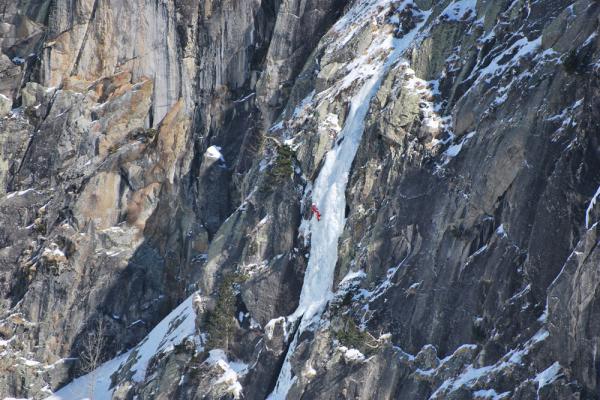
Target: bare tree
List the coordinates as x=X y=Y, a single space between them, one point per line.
x=92 y=353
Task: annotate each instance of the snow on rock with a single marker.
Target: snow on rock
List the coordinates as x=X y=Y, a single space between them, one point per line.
x=270 y=327
x=472 y=376
x=454 y=149
x=309 y=372
x=590 y=208
x=467 y=378
x=172 y=330
x=5 y=343
x=352 y=277
x=178 y=325
x=301 y=108
x=230 y=378
x=427 y=90
x=5 y=105
x=490 y=394
x=53 y=252
x=214 y=153
x=231 y=372
x=331 y=124
x=20 y=193
x=374 y=294
x=566 y=118
x=498 y=66
x=548 y=375
x=352 y=355
x=460 y=10
x=501 y=231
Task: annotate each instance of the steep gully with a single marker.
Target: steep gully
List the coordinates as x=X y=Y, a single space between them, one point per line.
x=329 y=193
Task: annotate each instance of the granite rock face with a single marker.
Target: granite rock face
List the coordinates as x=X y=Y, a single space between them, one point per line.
x=159 y=159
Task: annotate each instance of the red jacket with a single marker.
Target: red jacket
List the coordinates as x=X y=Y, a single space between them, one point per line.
x=315 y=211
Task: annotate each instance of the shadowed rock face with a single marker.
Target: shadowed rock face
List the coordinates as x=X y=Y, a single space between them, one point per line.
x=156 y=150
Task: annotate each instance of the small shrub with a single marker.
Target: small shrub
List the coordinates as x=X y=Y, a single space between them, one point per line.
x=577 y=61
x=479 y=334
x=143 y=134
x=31 y=114
x=571 y=62
x=352 y=337
x=150 y=133
x=282 y=168
x=284 y=163
x=113 y=149
x=458 y=231
x=39 y=226
x=340 y=303
x=347 y=300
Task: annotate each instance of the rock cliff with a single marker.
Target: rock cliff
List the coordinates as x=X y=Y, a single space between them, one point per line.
x=158 y=164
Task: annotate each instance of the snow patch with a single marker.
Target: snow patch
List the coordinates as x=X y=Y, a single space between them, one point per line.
x=301 y=108
x=214 y=153
x=460 y=10
x=590 y=208
x=352 y=355
x=270 y=327
x=501 y=231
x=352 y=276
x=540 y=336
x=467 y=378
x=232 y=371
x=20 y=193
x=490 y=394
x=53 y=252
x=549 y=375
x=498 y=66
x=471 y=375
x=455 y=149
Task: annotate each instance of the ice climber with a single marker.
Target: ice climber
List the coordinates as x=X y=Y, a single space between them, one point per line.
x=315 y=211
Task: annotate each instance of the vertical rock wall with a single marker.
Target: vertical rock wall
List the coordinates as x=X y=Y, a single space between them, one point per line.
x=155 y=150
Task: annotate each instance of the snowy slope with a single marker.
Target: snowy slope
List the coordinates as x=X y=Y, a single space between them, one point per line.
x=172 y=330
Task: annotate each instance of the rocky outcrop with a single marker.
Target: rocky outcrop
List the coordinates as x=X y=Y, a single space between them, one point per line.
x=158 y=161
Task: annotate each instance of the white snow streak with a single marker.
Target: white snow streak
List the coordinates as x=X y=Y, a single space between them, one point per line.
x=548 y=375
x=590 y=208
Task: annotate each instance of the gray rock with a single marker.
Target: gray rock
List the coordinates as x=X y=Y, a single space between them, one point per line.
x=5 y=106
x=471 y=202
